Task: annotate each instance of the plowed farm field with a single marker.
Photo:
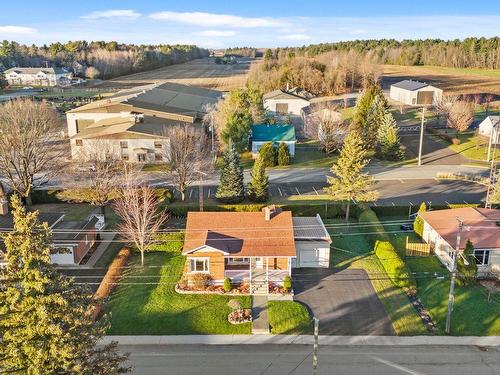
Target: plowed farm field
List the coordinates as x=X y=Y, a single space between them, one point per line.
x=202 y=72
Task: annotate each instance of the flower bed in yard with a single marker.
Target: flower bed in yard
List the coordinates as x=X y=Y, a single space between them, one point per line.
x=240 y=316
x=241 y=290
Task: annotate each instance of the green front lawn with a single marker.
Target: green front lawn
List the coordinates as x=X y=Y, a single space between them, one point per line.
x=155 y=167
x=352 y=249
x=154 y=308
x=472 y=146
x=288 y=317
x=472 y=314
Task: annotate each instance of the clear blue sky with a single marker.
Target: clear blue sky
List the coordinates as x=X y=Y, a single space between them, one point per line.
x=214 y=23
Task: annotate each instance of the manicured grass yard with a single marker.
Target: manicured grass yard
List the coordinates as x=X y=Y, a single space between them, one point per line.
x=156 y=309
x=472 y=314
x=288 y=317
x=353 y=250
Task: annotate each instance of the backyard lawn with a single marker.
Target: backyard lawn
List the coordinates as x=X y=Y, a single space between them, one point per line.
x=353 y=250
x=288 y=317
x=472 y=314
x=154 y=308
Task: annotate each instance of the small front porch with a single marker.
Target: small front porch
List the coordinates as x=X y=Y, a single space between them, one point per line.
x=259 y=272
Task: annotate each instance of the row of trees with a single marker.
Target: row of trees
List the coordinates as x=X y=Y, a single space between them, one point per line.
x=466 y=53
x=97 y=59
x=321 y=75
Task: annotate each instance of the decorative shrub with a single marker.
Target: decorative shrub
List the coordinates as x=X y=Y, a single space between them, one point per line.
x=240 y=316
x=200 y=280
x=394 y=266
x=112 y=276
x=287 y=283
x=234 y=304
x=268 y=154
x=283 y=154
x=227 y=285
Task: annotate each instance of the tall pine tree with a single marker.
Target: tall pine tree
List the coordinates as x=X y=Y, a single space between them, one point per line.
x=231 y=188
x=46 y=325
x=349 y=182
x=388 y=143
x=258 y=188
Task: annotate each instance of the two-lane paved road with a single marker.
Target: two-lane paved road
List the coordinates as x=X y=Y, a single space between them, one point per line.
x=296 y=359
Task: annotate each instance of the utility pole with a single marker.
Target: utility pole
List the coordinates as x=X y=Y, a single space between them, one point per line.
x=315 y=347
x=493 y=172
x=451 y=295
x=421 y=137
x=493 y=135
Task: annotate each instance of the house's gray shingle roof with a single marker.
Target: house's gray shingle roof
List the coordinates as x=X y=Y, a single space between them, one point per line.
x=410 y=85
x=309 y=228
x=36 y=70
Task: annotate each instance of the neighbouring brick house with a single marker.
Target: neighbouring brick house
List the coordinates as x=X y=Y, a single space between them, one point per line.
x=254 y=247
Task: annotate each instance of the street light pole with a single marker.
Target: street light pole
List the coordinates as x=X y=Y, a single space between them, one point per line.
x=451 y=295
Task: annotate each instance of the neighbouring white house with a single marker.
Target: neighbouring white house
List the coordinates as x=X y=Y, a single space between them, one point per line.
x=38 y=76
x=314 y=116
x=132 y=125
x=287 y=102
x=277 y=133
x=490 y=127
x=411 y=92
x=481 y=227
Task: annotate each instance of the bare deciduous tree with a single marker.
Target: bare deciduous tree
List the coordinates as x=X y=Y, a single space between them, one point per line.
x=186 y=155
x=332 y=134
x=96 y=173
x=31 y=149
x=459 y=114
x=141 y=218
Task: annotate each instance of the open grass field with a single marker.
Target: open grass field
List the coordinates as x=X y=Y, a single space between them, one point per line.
x=451 y=80
x=201 y=72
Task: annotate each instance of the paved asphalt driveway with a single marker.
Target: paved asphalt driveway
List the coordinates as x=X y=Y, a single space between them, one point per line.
x=343 y=300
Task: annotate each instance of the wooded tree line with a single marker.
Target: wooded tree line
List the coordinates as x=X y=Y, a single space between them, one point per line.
x=320 y=75
x=467 y=53
x=97 y=59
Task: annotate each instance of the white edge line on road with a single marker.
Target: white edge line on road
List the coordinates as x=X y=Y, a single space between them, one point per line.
x=281 y=194
x=297 y=190
x=190 y=193
x=315 y=190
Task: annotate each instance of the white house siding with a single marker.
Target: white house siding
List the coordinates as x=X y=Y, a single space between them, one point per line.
x=257 y=145
x=312 y=254
x=135 y=146
x=294 y=105
x=485 y=129
x=39 y=79
x=409 y=97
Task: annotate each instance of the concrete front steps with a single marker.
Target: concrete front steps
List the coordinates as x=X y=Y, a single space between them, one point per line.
x=260 y=319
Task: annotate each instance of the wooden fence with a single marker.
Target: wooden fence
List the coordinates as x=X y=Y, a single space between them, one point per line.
x=417 y=249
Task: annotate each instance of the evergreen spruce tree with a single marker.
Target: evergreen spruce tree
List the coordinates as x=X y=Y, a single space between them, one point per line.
x=388 y=144
x=268 y=154
x=258 y=188
x=349 y=182
x=467 y=272
x=46 y=325
x=363 y=106
x=418 y=224
x=283 y=154
x=231 y=188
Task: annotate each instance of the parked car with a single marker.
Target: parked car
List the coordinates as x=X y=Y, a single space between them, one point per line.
x=407 y=227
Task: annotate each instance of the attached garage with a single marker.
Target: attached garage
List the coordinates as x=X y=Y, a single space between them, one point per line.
x=312 y=243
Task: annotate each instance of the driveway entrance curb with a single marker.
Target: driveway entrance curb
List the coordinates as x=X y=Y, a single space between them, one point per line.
x=303 y=340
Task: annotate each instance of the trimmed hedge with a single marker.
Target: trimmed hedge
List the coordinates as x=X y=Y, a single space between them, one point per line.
x=394 y=266
x=109 y=281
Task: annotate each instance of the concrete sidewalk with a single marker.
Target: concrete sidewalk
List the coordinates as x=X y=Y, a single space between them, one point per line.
x=303 y=340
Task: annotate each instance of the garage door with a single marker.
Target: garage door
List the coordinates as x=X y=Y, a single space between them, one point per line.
x=309 y=255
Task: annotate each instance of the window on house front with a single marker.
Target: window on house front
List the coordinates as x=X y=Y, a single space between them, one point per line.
x=158 y=144
x=198 y=265
x=141 y=158
x=238 y=261
x=123 y=144
x=158 y=157
x=482 y=257
x=125 y=157
x=79 y=142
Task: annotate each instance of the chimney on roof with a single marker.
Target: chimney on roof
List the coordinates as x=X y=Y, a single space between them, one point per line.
x=270 y=212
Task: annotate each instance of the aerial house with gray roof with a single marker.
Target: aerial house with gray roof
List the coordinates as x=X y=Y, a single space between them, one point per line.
x=411 y=92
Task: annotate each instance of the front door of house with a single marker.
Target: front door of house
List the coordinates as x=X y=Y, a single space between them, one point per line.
x=259 y=263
